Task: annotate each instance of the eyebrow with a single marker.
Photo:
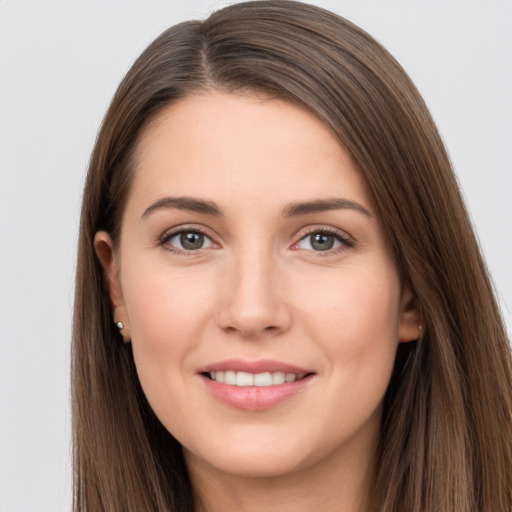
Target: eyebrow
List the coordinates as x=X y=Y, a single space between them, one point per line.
x=294 y=209
x=323 y=205
x=185 y=203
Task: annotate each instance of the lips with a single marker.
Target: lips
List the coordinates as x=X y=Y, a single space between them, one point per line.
x=254 y=385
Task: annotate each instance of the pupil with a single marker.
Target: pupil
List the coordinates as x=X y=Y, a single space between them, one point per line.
x=191 y=240
x=322 y=242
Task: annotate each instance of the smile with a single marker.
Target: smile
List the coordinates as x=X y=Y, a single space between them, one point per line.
x=255 y=385
x=244 y=379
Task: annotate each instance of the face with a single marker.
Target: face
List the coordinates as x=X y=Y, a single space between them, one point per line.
x=256 y=286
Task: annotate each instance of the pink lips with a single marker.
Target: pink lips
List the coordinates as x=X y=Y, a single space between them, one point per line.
x=264 y=365
x=254 y=398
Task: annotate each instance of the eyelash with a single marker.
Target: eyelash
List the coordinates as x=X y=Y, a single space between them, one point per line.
x=345 y=241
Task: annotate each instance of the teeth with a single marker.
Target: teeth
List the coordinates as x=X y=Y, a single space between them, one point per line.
x=263 y=379
x=230 y=377
x=278 y=378
x=244 y=379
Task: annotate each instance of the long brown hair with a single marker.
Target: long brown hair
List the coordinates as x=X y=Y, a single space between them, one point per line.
x=446 y=436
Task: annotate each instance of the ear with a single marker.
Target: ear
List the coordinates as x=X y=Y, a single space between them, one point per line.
x=105 y=251
x=409 y=328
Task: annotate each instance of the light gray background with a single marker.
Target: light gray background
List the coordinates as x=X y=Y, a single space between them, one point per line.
x=60 y=63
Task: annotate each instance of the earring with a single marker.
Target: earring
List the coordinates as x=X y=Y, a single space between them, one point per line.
x=120 y=326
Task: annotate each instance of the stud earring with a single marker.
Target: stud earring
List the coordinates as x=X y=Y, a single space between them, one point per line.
x=120 y=326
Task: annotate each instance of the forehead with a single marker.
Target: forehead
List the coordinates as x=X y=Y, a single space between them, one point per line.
x=246 y=146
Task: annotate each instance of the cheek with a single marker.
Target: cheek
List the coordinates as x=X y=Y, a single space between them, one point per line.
x=357 y=318
x=163 y=305
x=167 y=312
x=355 y=326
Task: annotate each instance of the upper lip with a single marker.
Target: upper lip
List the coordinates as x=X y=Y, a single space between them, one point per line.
x=260 y=366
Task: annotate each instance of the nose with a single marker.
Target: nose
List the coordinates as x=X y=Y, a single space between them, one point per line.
x=253 y=304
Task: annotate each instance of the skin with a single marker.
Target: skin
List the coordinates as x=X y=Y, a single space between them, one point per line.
x=259 y=289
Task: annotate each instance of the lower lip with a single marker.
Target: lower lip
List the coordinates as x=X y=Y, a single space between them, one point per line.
x=255 y=398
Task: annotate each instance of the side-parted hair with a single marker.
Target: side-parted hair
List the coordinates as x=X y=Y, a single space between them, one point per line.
x=446 y=436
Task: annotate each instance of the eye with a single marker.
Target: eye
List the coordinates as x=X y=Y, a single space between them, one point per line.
x=322 y=241
x=187 y=240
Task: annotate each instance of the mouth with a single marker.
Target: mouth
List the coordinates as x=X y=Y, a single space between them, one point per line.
x=246 y=379
x=255 y=385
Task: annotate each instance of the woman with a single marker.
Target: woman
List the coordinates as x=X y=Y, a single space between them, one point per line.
x=280 y=301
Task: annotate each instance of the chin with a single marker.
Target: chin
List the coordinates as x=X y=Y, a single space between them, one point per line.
x=250 y=463
x=261 y=454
